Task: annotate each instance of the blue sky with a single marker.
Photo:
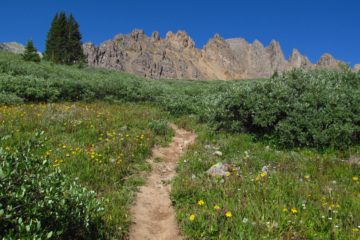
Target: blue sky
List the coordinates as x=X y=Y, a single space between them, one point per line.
x=314 y=27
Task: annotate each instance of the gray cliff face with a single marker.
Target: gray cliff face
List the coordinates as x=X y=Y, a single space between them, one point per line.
x=12 y=47
x=176 y=57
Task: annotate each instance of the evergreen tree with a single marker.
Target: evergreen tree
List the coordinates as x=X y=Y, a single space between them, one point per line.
x=63 y=44
x=31 y=53
x=74 y=50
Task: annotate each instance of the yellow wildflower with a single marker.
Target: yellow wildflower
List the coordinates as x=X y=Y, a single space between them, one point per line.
x=355 y=178
x=263 y=174
x=294 y=210
x=227 y=174
x=216 y=207
x=307 y=176
x=192 y=217
x=201 y=203
x=228 y=214
x=257 y=178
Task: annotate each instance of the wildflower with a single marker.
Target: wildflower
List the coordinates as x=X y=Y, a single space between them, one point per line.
x=263 y=174
x=201 y=203
x=245 y=220
x=192 y=217
x=294 y=210
x=257 y=178
x=355 y=230
x=355 y=179
x=307 y=176
x=216 y=207
x=228 y=214
x=227 y=174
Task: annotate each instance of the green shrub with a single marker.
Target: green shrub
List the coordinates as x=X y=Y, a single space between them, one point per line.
x=159 y=127
x=29 y=88
x=10 y=98
x=37 y=201
x=316 y=109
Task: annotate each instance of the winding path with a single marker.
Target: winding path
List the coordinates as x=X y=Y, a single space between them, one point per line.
x=153 y=214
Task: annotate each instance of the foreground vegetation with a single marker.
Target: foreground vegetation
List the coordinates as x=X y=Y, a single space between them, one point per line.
x=291 y=138
x=277 y=194
x=101 y=146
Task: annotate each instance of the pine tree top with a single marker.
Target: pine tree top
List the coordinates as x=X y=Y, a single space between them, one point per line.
x=31 y=53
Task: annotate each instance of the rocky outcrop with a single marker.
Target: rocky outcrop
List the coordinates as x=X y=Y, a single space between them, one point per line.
x=176 y=57
x=296 y=60
x=327 y=61
x=357 y=68
x=12 y=47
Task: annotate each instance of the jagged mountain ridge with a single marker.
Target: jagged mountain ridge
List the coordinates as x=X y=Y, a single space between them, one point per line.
x=175 y=57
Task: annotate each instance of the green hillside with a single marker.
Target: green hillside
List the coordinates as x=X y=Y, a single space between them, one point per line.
x=74 y=140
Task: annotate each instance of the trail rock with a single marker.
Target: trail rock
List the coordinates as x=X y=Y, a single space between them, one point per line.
x=218 y=153
x=223 y=170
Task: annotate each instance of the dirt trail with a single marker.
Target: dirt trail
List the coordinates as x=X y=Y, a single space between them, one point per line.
x=153 y=214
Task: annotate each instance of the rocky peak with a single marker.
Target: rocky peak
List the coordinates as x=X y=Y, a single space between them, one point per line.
x=275 y=49
x=217 y=42
x=357 y=68
x=155 y=36
x=277 y=59
x=296 y=60
x=257 y=45
x=90 y=52
x=180 y=40
x=137 y=34
x=329 y=62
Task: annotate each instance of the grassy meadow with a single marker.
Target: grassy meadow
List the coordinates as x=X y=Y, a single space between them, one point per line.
x=104 y=146
x=303 y=194
x=291 y=137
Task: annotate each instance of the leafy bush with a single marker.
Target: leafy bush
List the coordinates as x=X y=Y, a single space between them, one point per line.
x=10 y=98
x=316 y=109
x=39 y=202
x=159 y=127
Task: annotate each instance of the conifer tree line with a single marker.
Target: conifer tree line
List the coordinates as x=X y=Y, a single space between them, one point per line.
x=63 y=44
